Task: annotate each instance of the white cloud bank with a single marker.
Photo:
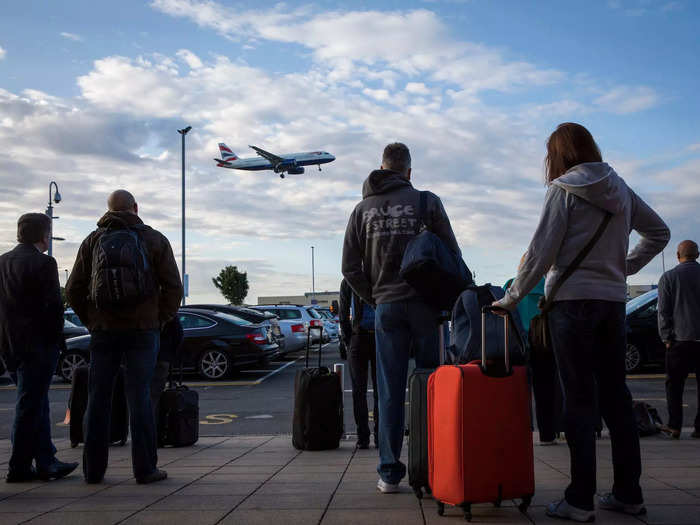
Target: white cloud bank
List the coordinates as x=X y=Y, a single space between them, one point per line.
x=3 y=53
x=71 y=36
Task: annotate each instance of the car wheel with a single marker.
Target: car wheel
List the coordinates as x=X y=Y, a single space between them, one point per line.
x=633 y=359
x=69 y=362
x=214 y=364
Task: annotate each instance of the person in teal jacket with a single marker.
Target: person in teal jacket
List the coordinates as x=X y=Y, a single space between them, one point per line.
x=545 y=376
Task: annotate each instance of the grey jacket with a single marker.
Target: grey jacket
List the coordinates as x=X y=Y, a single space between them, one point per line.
x=574 y=207
x=379 y=229
x=679 y=303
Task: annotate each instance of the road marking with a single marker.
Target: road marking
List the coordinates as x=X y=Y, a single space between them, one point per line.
x=218 y=419
x=261 y=416
x=654 y=376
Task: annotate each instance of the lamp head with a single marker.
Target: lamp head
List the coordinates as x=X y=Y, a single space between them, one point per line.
x=57 y=197
x=184 y=131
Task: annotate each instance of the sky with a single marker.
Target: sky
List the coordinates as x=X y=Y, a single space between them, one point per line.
x=91 y=96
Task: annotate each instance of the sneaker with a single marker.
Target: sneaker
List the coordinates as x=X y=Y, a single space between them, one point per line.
x=610 y=502
x=547 y=443
x=561 y=509
x=387 y=488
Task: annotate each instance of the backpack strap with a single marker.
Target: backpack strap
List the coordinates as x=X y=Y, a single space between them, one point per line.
x=422 y=211
x=546 y=304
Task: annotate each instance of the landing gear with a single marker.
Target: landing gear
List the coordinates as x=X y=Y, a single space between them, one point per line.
x=319 y=167
x=281 y=175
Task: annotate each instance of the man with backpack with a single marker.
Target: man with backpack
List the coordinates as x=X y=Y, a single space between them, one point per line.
x=357 y=324
x=379 y=229
x=124 y=286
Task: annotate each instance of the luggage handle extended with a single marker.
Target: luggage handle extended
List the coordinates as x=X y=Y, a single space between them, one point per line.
x=506 y=327
x=308 y=343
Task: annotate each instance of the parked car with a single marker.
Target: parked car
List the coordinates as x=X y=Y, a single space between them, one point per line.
x=330 y=324
x=644 y=346
x=70 y=315
x=215 y=344
x=254 y=316
x=72 y=330
x=294 y=321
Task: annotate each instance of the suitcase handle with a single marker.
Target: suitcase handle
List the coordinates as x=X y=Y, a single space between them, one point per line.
x=308 y=343
x=494 y=310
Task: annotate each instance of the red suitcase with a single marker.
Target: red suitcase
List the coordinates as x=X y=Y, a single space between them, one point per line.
x=479 y=434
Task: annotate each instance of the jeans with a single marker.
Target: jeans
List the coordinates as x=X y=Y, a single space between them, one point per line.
x=140 y=347
x=547 y=390
x=589 y=342
x=31 y=431
x=363 y=357
x=400 y=327
x=681 y=359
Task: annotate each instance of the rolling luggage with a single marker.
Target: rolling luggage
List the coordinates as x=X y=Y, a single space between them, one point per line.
x=178 y=414
x=479 y=433
x=318 y=405
x=119 y=422
x=418 y=476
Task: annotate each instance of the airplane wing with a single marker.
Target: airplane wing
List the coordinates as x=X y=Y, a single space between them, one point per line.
x=274 y=159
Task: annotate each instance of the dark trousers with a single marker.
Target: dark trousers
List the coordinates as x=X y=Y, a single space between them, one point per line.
x=548 y=396
x=681 y=359
x=31 y=431
x=160 y=378
x=399 y=328
x=362 y=358
x=140 y=347
x=589 y=342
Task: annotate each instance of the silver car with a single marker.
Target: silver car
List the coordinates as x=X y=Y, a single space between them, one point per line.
x=330 y=324
x=294 y=321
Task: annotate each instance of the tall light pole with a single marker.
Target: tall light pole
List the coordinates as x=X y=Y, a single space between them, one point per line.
x=49 y=211
x=185 y=283
x=313 y=276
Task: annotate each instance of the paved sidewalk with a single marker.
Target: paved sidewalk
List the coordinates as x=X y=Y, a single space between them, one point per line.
x=263 y=480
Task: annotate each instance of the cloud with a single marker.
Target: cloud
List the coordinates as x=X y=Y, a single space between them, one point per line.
x=71 y=36
x=627 y=99
x=3 y=53
x=190 y=58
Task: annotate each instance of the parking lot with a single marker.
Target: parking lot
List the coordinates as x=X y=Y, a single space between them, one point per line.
x=260 y=400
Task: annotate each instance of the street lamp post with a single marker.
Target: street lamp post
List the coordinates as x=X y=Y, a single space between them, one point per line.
x=313 y=276
x=49 y=211
x=185 y=283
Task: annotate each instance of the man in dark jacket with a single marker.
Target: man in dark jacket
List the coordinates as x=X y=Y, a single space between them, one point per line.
x=379 y=229
x=142 y=272
x=357 y=324
x=31 y=332
x=679 y=328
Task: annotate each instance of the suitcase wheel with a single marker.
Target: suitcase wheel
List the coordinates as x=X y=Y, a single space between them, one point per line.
x=428 y=490
x=525 y=504
x=467 y=511
x=441 y=508
x=418 y=492
x=497 y=504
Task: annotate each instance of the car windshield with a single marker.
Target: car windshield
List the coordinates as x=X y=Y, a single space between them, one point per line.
x=313 y=313
x=68 y=324
x=233 y=319
x=639 y=302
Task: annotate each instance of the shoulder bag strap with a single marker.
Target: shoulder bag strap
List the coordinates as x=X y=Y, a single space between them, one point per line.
x=547 y=303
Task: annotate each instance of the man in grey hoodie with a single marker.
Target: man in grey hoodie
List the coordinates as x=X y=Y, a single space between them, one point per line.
x=587 y=321
x=379 y=229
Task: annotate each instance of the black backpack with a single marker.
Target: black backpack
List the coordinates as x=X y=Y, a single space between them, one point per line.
x=648 y=420
x=121 y=270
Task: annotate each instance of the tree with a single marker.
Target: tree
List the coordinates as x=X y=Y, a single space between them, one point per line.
x=232 y=284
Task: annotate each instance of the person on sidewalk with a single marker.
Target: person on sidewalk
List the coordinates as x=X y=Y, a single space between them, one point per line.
x=124 y=286
x=31 y=334
x=588 y=203
x=378 y=231
x=357 y=324
x=679 y=328
x=545 y=378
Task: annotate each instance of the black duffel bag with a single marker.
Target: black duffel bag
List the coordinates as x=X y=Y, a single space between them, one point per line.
x=437 y=273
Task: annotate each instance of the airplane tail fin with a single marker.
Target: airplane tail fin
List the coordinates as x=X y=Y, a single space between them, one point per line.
x=226 y=154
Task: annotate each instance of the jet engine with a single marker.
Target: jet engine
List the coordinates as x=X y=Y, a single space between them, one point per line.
x=296 y=171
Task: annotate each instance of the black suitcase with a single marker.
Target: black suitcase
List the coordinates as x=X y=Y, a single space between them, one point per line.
x=318 y=406
x=418 y=476
x=119 y=425
x=178 y=415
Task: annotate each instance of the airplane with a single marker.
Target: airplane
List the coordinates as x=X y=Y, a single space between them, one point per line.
x=290 y=163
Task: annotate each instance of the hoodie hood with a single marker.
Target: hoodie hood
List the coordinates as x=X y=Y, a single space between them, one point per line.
x=596 y=183
x=119 y=219
x=383 y=181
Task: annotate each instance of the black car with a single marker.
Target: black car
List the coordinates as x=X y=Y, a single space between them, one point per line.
x=254 y=316
x=72 y=330
x=215 y=344
x=644 y=346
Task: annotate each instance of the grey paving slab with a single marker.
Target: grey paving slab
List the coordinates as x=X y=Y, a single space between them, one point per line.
x=158 y=517
x=276 y=488
x=200 y=502
x=372 y=499
x=286 y=501
x=670 y=497
x=13 y=518
x=218 y=489
x=376 y=517
x=539 y=516
x=100 y=502
x=673 y=514
x=273 y=516
x=81 y=518
x=34 y=504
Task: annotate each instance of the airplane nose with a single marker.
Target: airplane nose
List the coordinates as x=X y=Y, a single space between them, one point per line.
x=332 y=157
